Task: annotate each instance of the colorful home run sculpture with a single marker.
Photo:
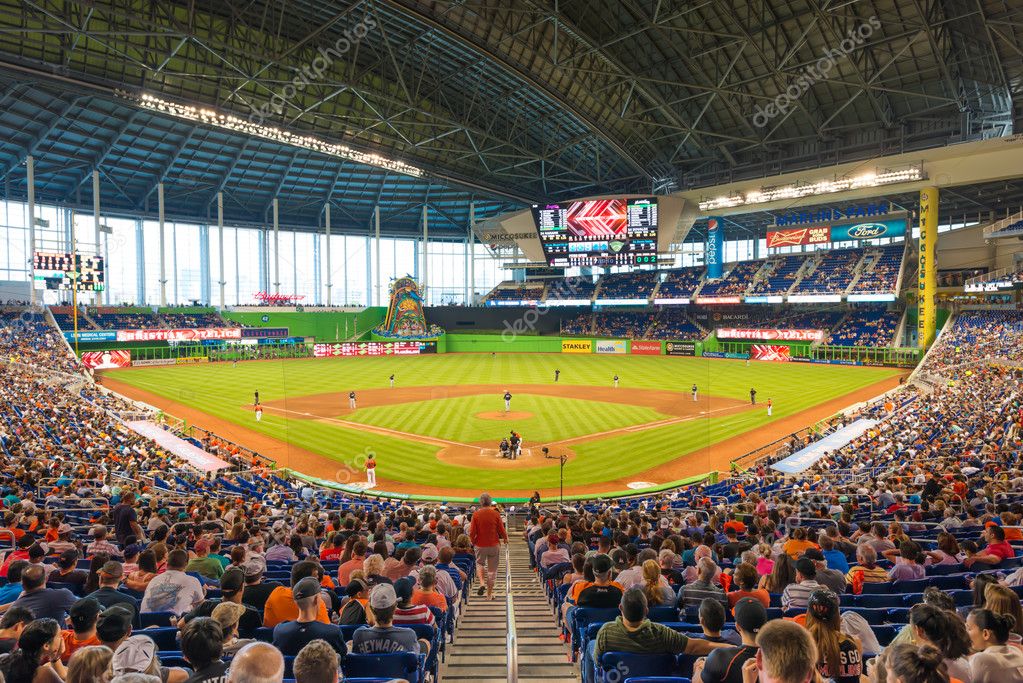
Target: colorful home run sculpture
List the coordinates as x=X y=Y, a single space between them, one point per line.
x=405 y=317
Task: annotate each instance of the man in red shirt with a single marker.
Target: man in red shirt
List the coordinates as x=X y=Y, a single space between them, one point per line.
x=997 y=549
x=487 y=533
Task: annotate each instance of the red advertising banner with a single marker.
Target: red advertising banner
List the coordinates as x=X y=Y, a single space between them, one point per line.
x=793 y=237
x=770 y=352
x=366 y=349
x=107 y=360
x=646 y=348
x=179 y=335
x=770 y=335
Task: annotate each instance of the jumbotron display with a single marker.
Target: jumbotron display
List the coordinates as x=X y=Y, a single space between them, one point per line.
x=61 y=270
x=598 y=232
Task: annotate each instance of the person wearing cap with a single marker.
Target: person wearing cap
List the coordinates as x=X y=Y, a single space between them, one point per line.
x=353 y=610
x=487 y=533
x=108 y=594
x=113 y=626
x=36 y=555
x=229 y=615
x=281 y=606
x=19 y=553
x=796 y=595
x=291 y=636
x=202 y=563
x=602 y=592
x=63 y=540
x=67 y=571
x=43 y=602
x=408 y=612
x=100 y=544
x=83 y=616
x=840 y=656
x=383 y=637
x=446 y=585
x=829 y=578
x=557 y=550
x=137 y=654
x=232 y=590
x=724 y=665
x=257 y=591
x=174 y=590
x=633 y=632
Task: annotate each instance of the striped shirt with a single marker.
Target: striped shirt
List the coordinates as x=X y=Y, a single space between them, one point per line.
x=413 y=614
x=649 y=638
x=694 y=593
x=797 y=595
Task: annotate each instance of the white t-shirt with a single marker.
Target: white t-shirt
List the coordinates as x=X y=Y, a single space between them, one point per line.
x=173 y=591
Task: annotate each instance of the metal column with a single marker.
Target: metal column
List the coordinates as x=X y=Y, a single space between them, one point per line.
x=95 y=218
x=330 y=272
x=163 y=245
x=277 y=253
x=376 y=221
x=220 y=238
x=426 y=256
x=30 y=171
x=472 y=255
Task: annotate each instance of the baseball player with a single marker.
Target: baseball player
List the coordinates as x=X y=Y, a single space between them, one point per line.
x=351 y=400
x=371 y=471
x=752 y=397
x=695 y=391
x=255 y=398
x=557 y=373
x=391 y=378
x=616 y=381
x=770 y=408
x=259 y=413
x=507 y=401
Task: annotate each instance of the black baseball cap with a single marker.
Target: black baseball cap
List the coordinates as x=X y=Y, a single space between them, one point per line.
x=403 y=588
x=306 y=588
x=114 y=623
x=814 y=554
x=232 y=581
x=750 y=615
x=823 y=603
x=806 y=567
x=601 y=564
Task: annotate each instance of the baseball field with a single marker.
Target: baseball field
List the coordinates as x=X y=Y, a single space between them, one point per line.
x=436 y=431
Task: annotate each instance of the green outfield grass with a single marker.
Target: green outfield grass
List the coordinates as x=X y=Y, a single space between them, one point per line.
x=225 y=391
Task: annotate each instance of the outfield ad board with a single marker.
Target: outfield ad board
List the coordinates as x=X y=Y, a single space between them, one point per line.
x=770 y=352
x=89 y=336
x=770 y=334
x=197 y=334
x=610 y=346
x=151 y=362
x=645 y=348
x=107 y=360
x=680 y=348
x=348 y=349
x=576 y=346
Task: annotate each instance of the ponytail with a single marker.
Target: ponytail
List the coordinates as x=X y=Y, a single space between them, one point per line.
x=917 y=664
x=652 y=583
x=1000 y=625
x=946 y=631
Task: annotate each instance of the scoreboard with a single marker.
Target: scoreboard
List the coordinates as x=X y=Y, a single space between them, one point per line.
x=63 y=270
x=598 y=232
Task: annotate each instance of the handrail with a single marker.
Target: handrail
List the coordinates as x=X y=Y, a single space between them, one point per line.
x=512 y=644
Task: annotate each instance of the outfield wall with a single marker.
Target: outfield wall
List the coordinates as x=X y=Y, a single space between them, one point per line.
x=321 y=325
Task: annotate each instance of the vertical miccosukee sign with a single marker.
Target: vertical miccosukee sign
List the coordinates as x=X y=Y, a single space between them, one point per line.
x=715 y=247
x=927 y=267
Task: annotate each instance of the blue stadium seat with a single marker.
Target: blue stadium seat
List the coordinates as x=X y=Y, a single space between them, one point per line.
x=614 y=664
x=400 y=665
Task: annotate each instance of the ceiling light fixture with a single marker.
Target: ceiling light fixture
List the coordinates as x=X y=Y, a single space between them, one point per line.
x=235 y=124
x=821 y=187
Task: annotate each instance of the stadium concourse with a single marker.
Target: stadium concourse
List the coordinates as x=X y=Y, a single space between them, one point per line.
x=902 y=547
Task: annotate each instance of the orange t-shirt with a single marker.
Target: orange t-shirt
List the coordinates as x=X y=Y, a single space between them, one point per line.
x=430 y=600
x=487 y=529
x=280 y=606
x=71 y=643
x=794 y=548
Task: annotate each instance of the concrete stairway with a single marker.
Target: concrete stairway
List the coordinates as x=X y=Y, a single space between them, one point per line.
x=479 y=653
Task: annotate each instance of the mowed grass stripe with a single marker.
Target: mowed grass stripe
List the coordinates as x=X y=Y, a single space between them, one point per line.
x=225 y=391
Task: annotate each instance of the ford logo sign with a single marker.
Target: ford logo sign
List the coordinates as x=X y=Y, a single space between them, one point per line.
x=866 y=231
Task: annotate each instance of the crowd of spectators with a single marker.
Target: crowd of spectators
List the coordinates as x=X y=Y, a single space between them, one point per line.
x=516 y=291
x=780 y=275
x=638 y=284
x=866 y=327
x=883 y=275
x=624 y=325
x=186 y=321
x=578 y=325
x=833 y=273
x=681 y=283
x=675 y=324
x=736 y=282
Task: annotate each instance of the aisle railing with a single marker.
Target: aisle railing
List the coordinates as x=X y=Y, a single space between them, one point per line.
x=512 y=644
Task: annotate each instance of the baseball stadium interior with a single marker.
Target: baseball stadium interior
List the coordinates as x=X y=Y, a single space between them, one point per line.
x=612 y=341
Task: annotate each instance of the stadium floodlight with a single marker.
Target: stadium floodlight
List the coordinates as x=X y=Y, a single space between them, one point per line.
x=817 y=188
x=235 y=124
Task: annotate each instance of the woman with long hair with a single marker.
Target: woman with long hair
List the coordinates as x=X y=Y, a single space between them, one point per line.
x=996 y=661
x=906 y=663
x=655 y=586
x=945 y=631
x=947 y=552
x=140 y=578
x=1003 y=600
x=90 y=665
x=37 y=659
x=782 y=574
x=841 y=657
x=95 y=564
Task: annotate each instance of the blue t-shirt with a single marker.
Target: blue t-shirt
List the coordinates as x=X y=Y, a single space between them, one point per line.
x=375 y=640
x=836 y=560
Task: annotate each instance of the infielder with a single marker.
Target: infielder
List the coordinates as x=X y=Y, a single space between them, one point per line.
x=255 y=399
x=391 y=378
x=615 y=378
x=507 y=401
x=770 y=408
x=694 y=393
x=259 y=413
x=752 y=397
x=371 y=471
x=351 y=400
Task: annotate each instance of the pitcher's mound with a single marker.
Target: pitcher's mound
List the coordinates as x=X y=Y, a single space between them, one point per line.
x=501 y=415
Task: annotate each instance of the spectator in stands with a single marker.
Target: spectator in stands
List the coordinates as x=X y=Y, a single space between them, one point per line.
x=786 y=654
x=113 y=626
x=383 y=636
x=997 y=550
x=796 y=595
x=139 y=579
x=603 y=591
x=229 y=615
x=291 y=636
x=711 y=617
x=108 y=593
x=353 y=612
x=783 y=574
x=256 y=591
x=42 y=602
x=174 y=590
x=232 y=591
x=866 y=570
x=829 y=578
x=83 y=616
x=633 y=632
x=692 y=594
x=67 y=572
x=744 y=580
x=38 y=656
x=427 y=593
x=202 y=563
x=100 y=544
x=840 y=657
x=724 y=665
x=487 y=533
x=317 y=662
x=409 y=612
x=904 y=663
x=834 y=558
x=125 y=519
x=90 y=665
x=655 y=586
x=10 y=592
x=344 y=571
x=996 y=661
x=257 y=663
x=138 y=654
x=557 y=551
x=1003 y=600
x=945 y=631
x=13 y=622
x=798 y=543
x=281 y=606
x=202 y=645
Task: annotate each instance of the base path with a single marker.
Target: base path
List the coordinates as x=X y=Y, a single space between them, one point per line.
x=717 y=457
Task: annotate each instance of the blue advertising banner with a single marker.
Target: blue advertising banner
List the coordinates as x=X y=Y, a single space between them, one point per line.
x=92 y=336
x=868 y=230
x=715 y=248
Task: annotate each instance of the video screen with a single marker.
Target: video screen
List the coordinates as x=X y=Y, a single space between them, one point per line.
x=598 y=232
x=62 y=271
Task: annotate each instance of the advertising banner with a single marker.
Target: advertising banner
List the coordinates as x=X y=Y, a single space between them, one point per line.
x=770 y=335
x=927 y=268
x=714 y=254
x=610 y=346
x=179 y=335
x=646 y=348
x=191 y=360
x=770 y=352
x=366 y=349
x=849 y=231
x=794 y=237
x=725 y=354
x=107 y=360
x=576 y=346
x=264 y=332
x=680 y=348
x=149 y=362
x=86 y=336
x=718 y=300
